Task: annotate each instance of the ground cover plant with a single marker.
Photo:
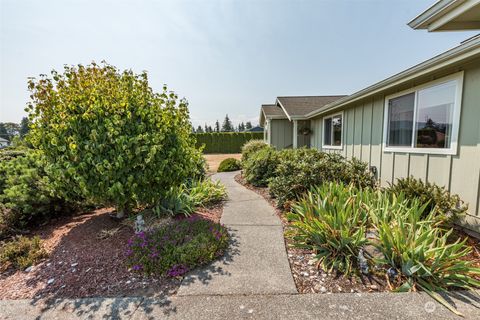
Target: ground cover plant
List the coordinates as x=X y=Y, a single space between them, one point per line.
x=175 y=249
x=229 y=164
x=21 y=253
x=107 y=136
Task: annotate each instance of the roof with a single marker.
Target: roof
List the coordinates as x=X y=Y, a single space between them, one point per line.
x=300 y=106
x=273 y=110
x=449 y=15
x=255 y=129
x=468 y=50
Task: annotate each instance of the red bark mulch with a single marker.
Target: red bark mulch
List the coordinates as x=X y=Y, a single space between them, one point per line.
x=86 y=259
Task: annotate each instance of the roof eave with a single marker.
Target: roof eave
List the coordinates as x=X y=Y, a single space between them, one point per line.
x=442 y=13
x=462 y=52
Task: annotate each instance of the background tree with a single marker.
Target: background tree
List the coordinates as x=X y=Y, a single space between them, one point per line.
x=199 y=129
x=107 y=136
x=3 y=132
x=227 y=125
x=24 y=127
x=217 y=126
x=248 y=125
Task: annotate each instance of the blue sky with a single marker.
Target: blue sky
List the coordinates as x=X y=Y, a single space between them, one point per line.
x=223 y=56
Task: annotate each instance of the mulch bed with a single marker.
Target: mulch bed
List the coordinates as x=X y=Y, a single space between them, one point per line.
x=86 y=259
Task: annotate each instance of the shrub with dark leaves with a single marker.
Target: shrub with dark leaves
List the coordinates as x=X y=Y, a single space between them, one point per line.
x=260 y=166
x=229 y=164
x=177 y=248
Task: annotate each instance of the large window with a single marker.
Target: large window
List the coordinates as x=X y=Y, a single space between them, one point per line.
x=332 y=131
x=425 y=119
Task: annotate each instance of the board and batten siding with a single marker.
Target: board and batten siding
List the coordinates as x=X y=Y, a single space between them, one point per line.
x=281 y=131
x=460 y=174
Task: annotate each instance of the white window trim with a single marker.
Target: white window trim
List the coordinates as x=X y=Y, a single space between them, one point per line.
x=453 y=150
x=324 y=146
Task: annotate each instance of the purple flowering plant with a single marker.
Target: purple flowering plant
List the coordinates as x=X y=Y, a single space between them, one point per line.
x=177 y=248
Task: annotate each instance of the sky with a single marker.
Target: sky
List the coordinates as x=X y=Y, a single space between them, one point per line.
x=223 y=56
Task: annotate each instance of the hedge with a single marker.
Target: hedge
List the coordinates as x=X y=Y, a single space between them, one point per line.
x=225 y=142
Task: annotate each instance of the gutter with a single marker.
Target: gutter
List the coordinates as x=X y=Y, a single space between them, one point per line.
x=436 y=9
x=466 y=50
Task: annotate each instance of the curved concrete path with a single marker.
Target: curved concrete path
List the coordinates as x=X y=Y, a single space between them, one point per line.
x=257 y=260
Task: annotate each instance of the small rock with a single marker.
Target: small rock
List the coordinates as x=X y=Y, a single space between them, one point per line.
x=128 y=282
x=49 y=264
x=73 y=265
x=323 y=289
x=29 y=269
x=50 y=281
x=305 y=274
x=250 y=311
x=374 y=287
x=74 y=270
x=88 y=269
x=311 y=262
x=352 y=291
x=339 y=288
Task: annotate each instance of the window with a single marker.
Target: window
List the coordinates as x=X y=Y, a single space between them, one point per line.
x=425 y=119
x=332 y=131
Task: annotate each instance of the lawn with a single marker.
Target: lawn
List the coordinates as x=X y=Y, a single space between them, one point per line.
x=213 y=160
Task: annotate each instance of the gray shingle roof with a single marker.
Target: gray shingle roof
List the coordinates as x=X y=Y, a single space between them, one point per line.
x=272 y=110
x=302 y=105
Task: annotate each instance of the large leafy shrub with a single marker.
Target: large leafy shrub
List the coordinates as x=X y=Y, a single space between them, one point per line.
x=330 y=221
x=175 y=249
x=106 y=135
x=26 y=193
x=300 y=169
x=446 y=206
x=251 y=147
x=420 y=255
x=21 y=252
x=229 y=164
x=260 y=166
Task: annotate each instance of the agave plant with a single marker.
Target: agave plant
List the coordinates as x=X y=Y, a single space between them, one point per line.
x=420 y=254
x=206 y=192
x=330 y=221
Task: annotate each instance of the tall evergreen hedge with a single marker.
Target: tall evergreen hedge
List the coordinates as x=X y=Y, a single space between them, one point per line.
x=225 y=142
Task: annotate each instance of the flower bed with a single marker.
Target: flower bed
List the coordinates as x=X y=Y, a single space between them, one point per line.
x=174 y=249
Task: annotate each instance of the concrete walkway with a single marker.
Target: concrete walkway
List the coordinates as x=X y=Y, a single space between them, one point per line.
x=257 y=260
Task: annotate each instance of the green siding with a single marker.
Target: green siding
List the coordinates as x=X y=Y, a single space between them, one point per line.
x=281 y=133
x=460 y=173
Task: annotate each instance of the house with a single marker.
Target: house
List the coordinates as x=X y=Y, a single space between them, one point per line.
x=255 y=129
x=4 y=143
x=422 y=122
x=286 y=123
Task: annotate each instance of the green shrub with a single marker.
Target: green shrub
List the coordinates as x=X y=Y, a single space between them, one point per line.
x=26 y=193
x=447 y=206
x=420 y=257
x=176 y=249
x=21 y=253
x=206 y=192
x=229 y=164
x=224 y=142
x=300 y=169
x=185 y=198
x=329 y=221
x=260 y=166
x=107 y=136
x=251 y=147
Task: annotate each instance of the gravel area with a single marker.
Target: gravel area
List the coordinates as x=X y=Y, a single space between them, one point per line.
x=86 y=259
